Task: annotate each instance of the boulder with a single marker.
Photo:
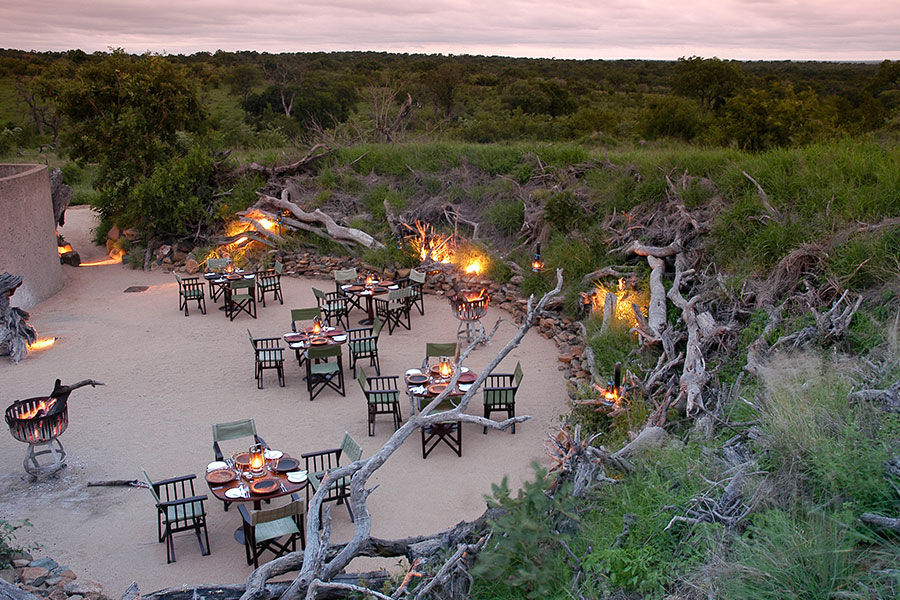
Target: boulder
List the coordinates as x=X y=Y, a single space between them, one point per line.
x=191 y=266
x=83 y=587
x=33 y=576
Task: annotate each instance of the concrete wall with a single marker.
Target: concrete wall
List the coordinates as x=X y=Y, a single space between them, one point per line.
x=28 y=233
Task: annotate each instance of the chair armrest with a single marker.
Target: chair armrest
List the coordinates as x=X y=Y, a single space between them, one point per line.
x=244 y=514
x=359 y=329
x=181 y=501
x=500 y=389
x=379 y=392
x=259 y=440
x=267 y=339
x=218 y=451
x=163 y=482
x=335 y=451
x=383 y=378
x=365 y=338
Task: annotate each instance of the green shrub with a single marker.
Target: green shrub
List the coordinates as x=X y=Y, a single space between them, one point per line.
x=785 y=555
x=506 y=215
x=8 y=547
x=524 y=552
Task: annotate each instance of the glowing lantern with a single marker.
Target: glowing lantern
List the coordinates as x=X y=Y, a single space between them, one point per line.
x=537 y=263
x=317 y=326
x=257 y=460
x=445 y=369
x=370 y=281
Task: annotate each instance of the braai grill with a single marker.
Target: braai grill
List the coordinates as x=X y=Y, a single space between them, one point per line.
x=39 y=422
x=470 y=306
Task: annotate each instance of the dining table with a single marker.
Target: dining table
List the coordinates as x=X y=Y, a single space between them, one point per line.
x=366 y=290
x=423 y=385
x=232 y=481
x=218 y=282
x=301 y=341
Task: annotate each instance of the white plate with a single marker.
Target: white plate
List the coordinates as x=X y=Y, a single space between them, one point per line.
x=465 y=369
x=413 y=372
x=419 y=389
x=234 y=493
x=273 y=454
x=340 y=338
x=216 y=465
x=251 y=276
x=220 y=280
x=297 y=345
x=344 y=287
x=297 y=476
x=464 y=387
x=328 y=328
x=366 y=293
x=393 y=287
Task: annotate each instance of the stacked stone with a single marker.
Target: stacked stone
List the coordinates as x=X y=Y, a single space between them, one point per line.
x=44 y=578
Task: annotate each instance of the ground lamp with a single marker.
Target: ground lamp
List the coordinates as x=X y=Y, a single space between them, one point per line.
x=537 y=263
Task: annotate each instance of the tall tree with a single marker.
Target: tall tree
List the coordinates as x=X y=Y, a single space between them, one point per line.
x=125 y=113
x=709 y=80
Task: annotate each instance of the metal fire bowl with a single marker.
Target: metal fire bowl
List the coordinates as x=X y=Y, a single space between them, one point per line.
x=36 y=430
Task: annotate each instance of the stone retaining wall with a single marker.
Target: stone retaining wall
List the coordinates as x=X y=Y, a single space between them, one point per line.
x=44 y=578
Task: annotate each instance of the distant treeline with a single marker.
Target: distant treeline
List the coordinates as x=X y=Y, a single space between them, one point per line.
x=751 y=105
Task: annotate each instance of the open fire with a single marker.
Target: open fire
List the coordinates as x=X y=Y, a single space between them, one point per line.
x=425 y=243
x=625 y=297
x=41 y=344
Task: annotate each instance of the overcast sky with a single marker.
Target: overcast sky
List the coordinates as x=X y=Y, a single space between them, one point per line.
x=653 y=29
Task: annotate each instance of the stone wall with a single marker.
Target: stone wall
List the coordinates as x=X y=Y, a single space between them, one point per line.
x=28 y=233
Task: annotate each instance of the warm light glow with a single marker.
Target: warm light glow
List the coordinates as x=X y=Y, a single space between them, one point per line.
x=64 y=249
x=267 y=224
x=317 y=326
x=116 y=260
x=624 y=299
x=474 y=267
x=471 y=296
x=41 y=343
x=40 y=409
x=257 y=459
x=610 y=394
x=445 y=369
x=241 y=240
x=425 y=241
x=370 y=281
x=537 y=264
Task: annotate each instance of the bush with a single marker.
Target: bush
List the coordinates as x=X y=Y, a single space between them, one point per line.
x=8 y=547
x=506 y=215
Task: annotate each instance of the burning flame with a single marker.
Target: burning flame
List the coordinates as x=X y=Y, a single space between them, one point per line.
x=471 y=296
x=474 y=267
x=445 y=369
x=241 y=240
x=370 y=281
x=317 y=327
x=269 y=225
x=41 y=343
x=425 y=242
x=115 y=259
x=64 y=249
x=41 y=408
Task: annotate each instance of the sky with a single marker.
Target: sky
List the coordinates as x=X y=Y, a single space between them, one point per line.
x=580 y=29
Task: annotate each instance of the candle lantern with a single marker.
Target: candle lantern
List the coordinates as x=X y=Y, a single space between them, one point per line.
x=370 y=281
x=446 y=369
x=537 y=263
x=317 y=326
x=257 y=460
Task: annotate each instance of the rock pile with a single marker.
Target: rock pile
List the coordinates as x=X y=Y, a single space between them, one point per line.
x=44 y=578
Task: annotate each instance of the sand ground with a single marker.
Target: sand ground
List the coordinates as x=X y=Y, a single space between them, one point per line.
x=168 y=378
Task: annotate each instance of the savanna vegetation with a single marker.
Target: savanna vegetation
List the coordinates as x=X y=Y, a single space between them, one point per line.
x=776 y=183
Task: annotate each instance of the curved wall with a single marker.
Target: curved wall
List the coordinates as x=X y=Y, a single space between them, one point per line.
x=28 y=233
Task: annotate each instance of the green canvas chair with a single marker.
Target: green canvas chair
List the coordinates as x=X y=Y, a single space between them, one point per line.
x=438 y=350
x=499 y=393
x=269 y=280
x=216 y=265
x=345 y=277
x=234 y=430
x=275 y=529
x=335 y=307
x=318 y=463
x=178 y=508
x=382 y=397
x=394 y=310
x=416 y=284
x=448 y=433
x=363 y=343
x=240 y=296
x=321 y=372
x=299 y=315
x=268 y=354
x=190 y=288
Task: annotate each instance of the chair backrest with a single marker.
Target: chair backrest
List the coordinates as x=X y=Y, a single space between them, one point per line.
x=376 y=327
x=518 y=374
x=233 y=430
x=345 y=274
x=273 y=514
x=323 y=351
x=320 y=295
x=350 y=450
x=433 y=349
x=416 y=276
x=361 y=378
x=278 y=267
x=238 y=284
x=150 y=485
x=304 y=314
x=216 y=264
x=178 y=278
x=252 y=341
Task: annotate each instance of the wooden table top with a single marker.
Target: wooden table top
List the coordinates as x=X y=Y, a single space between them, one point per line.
x=285 y=486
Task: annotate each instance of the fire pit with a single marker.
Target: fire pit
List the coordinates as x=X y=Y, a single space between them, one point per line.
x=39 y=422
x=469 y=306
